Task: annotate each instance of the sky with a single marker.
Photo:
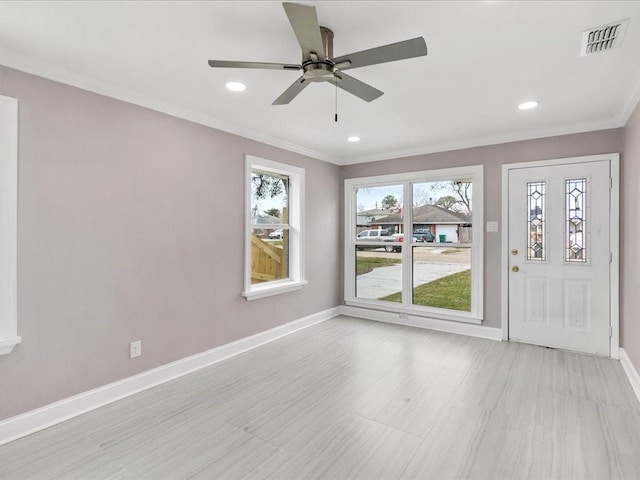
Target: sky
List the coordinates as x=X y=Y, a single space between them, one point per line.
x=423 y=193
x=368 y=197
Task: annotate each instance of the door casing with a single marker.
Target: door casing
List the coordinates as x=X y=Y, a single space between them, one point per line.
x=614 y=235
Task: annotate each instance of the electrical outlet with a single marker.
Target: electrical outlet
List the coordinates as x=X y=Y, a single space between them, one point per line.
x=135 y=349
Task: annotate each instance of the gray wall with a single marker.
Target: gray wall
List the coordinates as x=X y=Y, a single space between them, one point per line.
x=493 y=157
x=630 y=240
x=130 y=226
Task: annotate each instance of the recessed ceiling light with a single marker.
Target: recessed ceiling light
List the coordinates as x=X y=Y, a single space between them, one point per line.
x=236 y=86
x=528 y=105
x=353 y=139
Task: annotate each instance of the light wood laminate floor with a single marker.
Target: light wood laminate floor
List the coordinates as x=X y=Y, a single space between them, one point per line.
x=351 y=398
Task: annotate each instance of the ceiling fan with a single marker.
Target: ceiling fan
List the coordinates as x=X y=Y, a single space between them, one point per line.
x=318 y=63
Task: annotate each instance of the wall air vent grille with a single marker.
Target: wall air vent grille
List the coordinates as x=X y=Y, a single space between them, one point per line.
x=603 y=38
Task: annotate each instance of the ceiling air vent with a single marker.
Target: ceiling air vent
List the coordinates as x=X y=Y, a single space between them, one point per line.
x=603 y=38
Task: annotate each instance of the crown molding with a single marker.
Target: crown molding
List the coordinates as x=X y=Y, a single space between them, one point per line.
x=484 y=141
x=632 y=101
x=94 y=85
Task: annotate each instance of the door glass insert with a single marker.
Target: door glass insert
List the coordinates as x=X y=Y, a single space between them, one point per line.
x=576 y=220
x=536 y=221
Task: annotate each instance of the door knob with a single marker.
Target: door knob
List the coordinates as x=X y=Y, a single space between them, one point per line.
x=514 y=251
x=515 y=268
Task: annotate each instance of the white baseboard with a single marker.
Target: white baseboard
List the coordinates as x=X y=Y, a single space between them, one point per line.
x=631 y=372
x=52 y=414
x=461 y=328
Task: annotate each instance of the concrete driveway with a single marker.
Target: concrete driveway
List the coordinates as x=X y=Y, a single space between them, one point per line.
x=430 y=264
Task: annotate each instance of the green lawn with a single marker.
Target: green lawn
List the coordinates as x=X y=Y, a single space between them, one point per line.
x=366 y=264
x=452 y=291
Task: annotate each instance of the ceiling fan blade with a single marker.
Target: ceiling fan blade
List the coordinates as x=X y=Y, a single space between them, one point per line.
x=357 y=88
x=304 y=22
x=291 y=92
x=415 y=47
x=266 y=65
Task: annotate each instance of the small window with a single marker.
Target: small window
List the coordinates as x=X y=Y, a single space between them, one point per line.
x=273 y=246
x=8 y=223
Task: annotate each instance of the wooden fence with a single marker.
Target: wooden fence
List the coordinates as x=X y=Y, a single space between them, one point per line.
x=268 y=262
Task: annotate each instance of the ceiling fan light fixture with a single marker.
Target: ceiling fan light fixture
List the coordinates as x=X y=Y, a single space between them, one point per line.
x=528 y=105
x=353 y=139
x=236 y=86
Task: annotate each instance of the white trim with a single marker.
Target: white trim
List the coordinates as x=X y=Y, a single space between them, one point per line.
x=8 y=224
x=296 y=279
x=490 y=333
x=284 y=287
x=476 y=173
x=504 y=246
x=52 y=414
x=614 y=269
x=630 y=370
x=417 y=311
x=7 y=345
x=485 y=141
x=614 y=266
x=631 y=103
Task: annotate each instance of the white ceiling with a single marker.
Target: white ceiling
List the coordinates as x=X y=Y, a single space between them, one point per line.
x=484 y=59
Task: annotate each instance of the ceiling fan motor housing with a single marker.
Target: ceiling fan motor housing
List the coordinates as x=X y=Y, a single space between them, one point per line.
x=327 y=42
x=316 y=70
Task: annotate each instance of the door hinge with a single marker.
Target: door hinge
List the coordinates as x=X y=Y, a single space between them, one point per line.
x=610 y=183
x=610 y=331
x=610 y=257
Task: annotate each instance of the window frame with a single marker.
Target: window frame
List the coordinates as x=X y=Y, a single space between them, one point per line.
x=296 y=279
x=8 y=224
x=351 y=185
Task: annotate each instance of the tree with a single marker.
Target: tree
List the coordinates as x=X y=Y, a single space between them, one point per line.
x=273 y=212
x=447 y=202
x=459 y=191
x=463 y=192
x=389 y=202
x=267 y=186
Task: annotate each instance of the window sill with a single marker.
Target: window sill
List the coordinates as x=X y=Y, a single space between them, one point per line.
x=436 y=314
x=273 y=289
x=6 y=346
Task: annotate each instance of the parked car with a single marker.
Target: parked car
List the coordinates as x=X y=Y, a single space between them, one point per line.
x=373 y=236
x=423 y=235
x=276 y=234
x=398 y=237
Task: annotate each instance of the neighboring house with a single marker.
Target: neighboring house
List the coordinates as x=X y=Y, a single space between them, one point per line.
x=365 y=217
x=454 y=226
x=268 y=221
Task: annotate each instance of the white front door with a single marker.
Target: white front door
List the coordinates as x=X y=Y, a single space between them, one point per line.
x=559 y=256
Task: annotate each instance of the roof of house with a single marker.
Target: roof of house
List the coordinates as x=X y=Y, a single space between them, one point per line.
x=374 y=211
x=429 y=214
x=264 y=220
